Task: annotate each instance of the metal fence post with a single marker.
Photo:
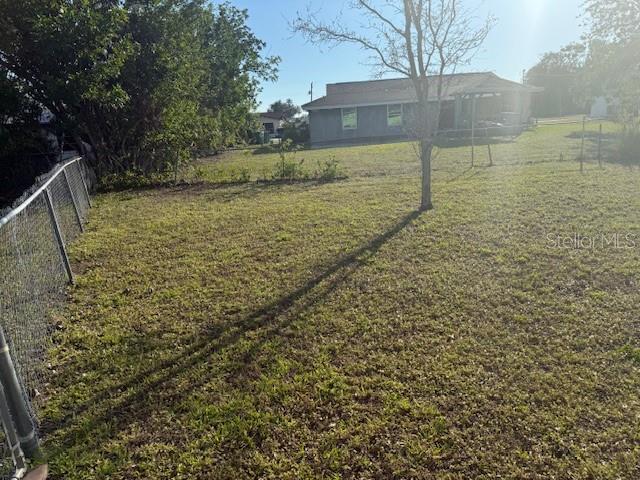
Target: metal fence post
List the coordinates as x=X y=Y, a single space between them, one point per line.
x=84 y=183
x=489 y=148
x=59 y=240
x=584 y=129
x=473 y=130
x=600 y=147
x=73 y=199
x=16 y=402
x=11 y=437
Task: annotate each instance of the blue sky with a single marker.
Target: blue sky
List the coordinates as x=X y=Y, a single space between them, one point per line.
x=525 y=29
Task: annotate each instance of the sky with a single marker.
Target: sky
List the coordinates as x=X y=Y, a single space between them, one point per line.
x=524 y=31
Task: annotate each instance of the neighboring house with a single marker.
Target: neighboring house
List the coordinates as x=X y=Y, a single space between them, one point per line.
x=381 y=110
x=272 y=122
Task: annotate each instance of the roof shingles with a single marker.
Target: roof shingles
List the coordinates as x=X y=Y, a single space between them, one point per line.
x=401 y=90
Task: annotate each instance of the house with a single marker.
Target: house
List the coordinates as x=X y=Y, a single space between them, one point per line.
x=272 y=122
x=381 y=110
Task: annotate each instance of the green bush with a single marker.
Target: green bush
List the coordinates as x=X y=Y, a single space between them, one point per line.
x=297 y=133
x=328 y=170
x=242 y=175
x=288 y=168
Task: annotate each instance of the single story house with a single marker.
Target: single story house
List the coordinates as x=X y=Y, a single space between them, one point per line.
x=272 y=122
x=381 y=110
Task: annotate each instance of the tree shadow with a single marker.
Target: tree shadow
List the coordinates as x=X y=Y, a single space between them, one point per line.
x=228 y=191
x=124 y=403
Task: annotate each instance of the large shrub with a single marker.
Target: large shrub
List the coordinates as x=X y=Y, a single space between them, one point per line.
x=144 y=83
x=296 y=132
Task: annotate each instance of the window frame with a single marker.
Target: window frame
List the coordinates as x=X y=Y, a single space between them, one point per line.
x=269 y=129
x=355 y=112
x=389 y=125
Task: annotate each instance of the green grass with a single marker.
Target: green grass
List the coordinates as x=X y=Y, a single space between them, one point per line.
x=548 y=143
x=311 y=331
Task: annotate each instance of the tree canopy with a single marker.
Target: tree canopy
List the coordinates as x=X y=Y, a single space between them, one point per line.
x=143 y=82
x=287 y=108
x=613 y=64
x=560 y=74
x=604 y=62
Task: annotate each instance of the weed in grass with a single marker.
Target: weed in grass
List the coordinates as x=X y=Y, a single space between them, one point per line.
x=631 y=353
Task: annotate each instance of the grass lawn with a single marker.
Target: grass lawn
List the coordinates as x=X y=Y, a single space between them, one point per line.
x=329 y=331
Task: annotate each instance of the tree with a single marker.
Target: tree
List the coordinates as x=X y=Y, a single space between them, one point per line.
x=612 y=21
x=24 y=151
x=423 y=40
x=201 y=68
x=287 y=108
x=613 y=64
x=144 y=83
x=560 y=74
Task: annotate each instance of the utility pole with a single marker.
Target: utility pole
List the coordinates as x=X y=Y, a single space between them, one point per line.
x=311 y=91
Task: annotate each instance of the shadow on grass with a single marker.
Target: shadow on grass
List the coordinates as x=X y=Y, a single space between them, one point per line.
x=126 y=402
x=275 y=149
x=455 y=142
x=228 y=190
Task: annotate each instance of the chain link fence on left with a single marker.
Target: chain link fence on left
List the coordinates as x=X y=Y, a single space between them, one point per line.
x=34 y=272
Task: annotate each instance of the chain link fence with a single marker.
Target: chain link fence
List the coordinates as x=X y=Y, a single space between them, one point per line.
x=578 y=143
x=35 y=271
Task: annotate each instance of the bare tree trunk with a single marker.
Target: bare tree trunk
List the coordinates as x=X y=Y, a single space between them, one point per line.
x=435 y=37
x=426 y=148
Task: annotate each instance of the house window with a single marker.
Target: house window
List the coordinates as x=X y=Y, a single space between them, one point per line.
x=349 y=118
x=268 y=127
x=394 y=115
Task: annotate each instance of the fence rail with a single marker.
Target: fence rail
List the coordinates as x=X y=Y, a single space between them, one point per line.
x=35 y=271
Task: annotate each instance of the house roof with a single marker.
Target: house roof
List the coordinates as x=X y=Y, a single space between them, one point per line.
x=272 y=115
x=401 y=90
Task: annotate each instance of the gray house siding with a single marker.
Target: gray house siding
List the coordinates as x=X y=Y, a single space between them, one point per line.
x=326 y=126
x=468 y=100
